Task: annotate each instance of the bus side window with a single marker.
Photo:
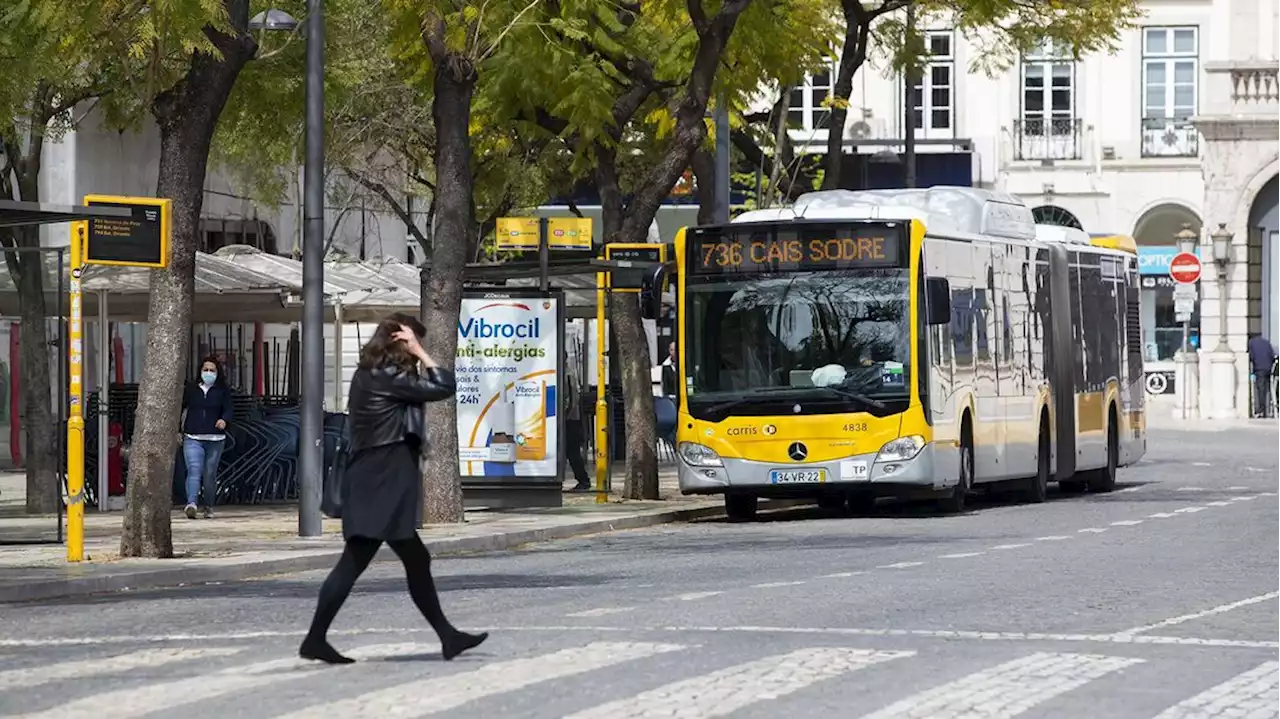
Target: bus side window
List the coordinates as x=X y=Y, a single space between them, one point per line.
x=938 y=300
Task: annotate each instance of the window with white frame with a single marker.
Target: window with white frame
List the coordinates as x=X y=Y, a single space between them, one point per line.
x=808 y=109
x=933 y=95
x=1048 y=128
x=1170 y=68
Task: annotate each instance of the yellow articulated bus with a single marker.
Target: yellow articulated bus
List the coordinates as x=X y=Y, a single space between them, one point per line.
x=904 y=343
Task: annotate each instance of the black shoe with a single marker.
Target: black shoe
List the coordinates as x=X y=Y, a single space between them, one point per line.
x=461 y=642
x=321 y=651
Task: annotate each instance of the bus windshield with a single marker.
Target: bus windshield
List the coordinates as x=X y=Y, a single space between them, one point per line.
x=811 y=342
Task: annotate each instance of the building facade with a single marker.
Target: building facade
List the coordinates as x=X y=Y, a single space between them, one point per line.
x=1175 y=129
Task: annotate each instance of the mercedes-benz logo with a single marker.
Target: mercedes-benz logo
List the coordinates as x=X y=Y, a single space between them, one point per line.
x=797 y=451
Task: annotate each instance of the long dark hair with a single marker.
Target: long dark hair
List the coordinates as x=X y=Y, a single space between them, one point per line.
x=384 y=350
x=217 y=365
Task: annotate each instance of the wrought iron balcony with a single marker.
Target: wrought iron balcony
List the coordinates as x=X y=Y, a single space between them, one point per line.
x=1037 y=138
x=1169 y=137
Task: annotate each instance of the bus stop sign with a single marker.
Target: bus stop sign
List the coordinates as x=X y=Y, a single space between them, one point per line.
x=1185 y=268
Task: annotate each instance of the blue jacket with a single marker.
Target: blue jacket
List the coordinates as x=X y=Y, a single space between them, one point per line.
x=1261 y=354
x=205 y=409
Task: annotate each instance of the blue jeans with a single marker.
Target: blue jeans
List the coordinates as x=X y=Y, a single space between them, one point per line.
x=202 y=457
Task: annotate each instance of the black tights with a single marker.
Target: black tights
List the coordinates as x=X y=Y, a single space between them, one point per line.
x=357 y=555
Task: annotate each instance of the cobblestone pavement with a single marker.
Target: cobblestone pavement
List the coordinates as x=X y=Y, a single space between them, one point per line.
x=1158 y=600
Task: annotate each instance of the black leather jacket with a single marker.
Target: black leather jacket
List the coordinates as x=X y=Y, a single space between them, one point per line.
x=385 y=404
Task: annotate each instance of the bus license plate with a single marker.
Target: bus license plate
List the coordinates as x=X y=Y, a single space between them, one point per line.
x=797 y=476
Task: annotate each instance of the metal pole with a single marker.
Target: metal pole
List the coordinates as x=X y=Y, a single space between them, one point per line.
x=909 y=108
x=75 y=419
x=104 y=397
x=311 y=449
x=1186 y=370
x=602 y=402
x=722 y=162
x=544 y=255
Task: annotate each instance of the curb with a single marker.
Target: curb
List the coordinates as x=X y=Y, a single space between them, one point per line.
x=307 y=560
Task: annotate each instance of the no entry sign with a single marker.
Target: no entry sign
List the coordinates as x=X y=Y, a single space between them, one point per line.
x=1185 y=268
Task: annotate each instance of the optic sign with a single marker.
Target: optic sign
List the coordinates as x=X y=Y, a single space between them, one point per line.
x=1185 y=268
x=861 y=247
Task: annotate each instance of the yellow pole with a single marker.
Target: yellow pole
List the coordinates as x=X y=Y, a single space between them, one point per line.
x=75 y=420
x=602 y=405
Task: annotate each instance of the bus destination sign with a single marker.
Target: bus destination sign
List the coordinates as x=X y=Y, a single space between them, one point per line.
x=843 y=249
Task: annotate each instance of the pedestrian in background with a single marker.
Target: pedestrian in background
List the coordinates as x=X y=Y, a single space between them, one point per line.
x=207 y=409
x=380 y=495
x=574 y=437
x=1262 y=356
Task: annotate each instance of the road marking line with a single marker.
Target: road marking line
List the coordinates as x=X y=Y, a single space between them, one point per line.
x=29 y=677
x=1182 y=619
x=1010 y=546
x=1008 y=689
x=1255 y=469
x=841 y=575
x=1219 y=504
x=154 y=698
x=927 y=633
x=442 y=693
x=1201 y=464
x=601 y=611
x=1127 y=489
x=691 y=596
x=1126 y=522
x=1237 y=488
x=1189 y=510
x=1094 y=530
x=960 y=555
x=1268 y=494
x=899 y=565
x=1052 y=538
x=726 y=691
x=1244 y=498
x=1191 y=489
x=774 y=585
x=1257 y=689
x=1161 y=515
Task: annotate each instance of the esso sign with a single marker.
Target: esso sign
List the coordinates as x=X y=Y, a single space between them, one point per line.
x=1185 y=268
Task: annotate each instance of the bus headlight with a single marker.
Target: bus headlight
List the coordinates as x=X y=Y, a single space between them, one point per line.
x=698 y=455
x=901 y=449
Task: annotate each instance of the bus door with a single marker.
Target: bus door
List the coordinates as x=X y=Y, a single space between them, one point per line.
x=1062 y=372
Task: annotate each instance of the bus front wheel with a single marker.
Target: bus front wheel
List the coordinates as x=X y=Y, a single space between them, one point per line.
x=953 y=503
x=740 y=507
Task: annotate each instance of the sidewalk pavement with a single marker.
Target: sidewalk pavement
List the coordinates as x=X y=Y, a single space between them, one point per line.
x=253 y=541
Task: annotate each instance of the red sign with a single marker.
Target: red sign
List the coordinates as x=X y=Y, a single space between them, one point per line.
x=1185 y=268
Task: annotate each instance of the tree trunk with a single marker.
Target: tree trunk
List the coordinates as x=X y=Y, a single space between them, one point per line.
x=455 y=83
x=187 y=115
x=704 y=173
x=41 y=450
x=629 y=348
x=857 y=33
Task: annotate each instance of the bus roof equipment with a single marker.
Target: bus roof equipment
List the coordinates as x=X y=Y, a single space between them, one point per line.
x=942 y=209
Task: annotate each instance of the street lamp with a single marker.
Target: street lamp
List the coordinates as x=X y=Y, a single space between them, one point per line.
x=311 y=434
x=1186 y=239
x=1222 y=258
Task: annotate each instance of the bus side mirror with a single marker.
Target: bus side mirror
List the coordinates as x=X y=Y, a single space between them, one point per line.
x=937 y=300
x=651 y=289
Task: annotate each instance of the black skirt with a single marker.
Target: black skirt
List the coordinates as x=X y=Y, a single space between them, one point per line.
x=382 y=497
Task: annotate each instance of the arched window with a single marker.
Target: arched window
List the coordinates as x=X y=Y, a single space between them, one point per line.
x=1051 y=215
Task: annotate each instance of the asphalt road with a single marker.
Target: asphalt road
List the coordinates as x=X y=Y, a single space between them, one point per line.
x=1159 y=600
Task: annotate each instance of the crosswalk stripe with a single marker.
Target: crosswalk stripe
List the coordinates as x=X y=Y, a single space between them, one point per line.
x=1006 y=690
x=29 y=677
x=438 y=694
x=1256 y=690
x=728 y=690
x=141 y=700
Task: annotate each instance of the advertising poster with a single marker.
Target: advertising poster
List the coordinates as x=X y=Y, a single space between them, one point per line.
x=508 y=365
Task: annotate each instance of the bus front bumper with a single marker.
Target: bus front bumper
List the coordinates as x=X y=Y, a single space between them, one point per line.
x=838 y=475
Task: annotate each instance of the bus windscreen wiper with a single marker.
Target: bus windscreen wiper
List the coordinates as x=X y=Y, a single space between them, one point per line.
x=853 y=395
x=748 y=396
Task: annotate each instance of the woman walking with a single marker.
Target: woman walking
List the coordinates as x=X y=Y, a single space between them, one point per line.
x=208 y=409
x=380 y=499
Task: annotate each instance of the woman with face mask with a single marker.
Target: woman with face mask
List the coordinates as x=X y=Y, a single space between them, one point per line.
x=207 y=408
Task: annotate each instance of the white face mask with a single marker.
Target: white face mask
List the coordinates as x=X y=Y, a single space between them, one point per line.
x=209 y=377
